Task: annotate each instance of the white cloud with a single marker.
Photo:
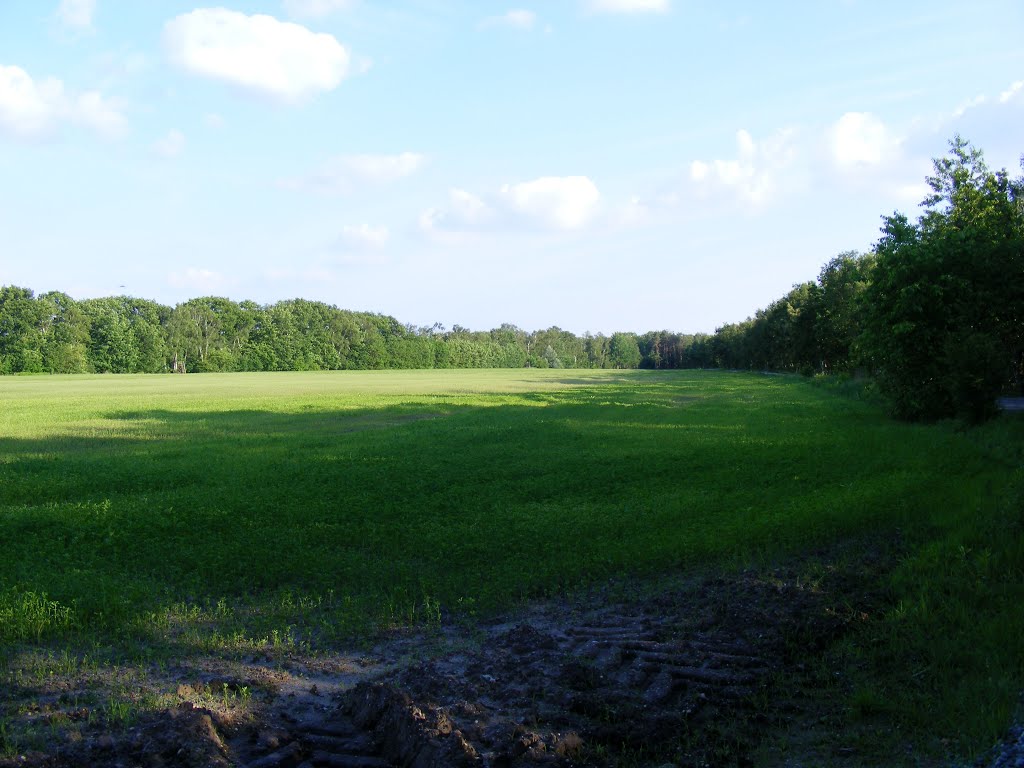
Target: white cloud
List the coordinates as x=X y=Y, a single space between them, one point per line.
x=29 y=109
x=629 y=6
x=315 y=9
x=550 y=202
x=171 y=145
x=755 y=174
x=380 y=168
x=562 y=202
x=468 y=207
x=345 y=173
x=634 y=213
x=465 y=211
x=204 y=280
x=281 y=59
x=365 y=236
x=1011 y=92
x=517 y=19
x=32 y=109
x=98 y=113
x=213 y=120
x=76 y=13
x=860 y=139
x=977 y=101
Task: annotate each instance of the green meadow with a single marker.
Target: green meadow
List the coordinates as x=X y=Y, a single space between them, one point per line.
x=228 y=512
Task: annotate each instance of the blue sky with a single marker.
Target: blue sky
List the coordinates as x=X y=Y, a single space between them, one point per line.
x=599 y=165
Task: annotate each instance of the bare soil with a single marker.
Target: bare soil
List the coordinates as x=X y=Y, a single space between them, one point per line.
x=706 y=671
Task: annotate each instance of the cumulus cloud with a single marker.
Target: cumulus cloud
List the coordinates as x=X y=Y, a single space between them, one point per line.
x=629 y=6
x=464 y=211
x=260 y=53
x=171 y=145
x=346 y=173
x=315 y=9
x=754 y=173
x=860 y=139
x=364 y=236
x=561 y=202
x=977 y=101
x=213 y=120
x=1012 y=92
x=31 y=109
x=99 y=113
x=517 y=19
x=379 y=168
x=76 y=14
x=27 y=108
x=551 y=202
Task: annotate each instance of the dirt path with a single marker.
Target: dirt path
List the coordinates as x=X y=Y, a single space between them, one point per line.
x=682 y=673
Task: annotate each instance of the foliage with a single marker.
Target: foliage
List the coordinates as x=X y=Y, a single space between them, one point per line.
x=944 y=325
x=56 y=334
x=935 y=311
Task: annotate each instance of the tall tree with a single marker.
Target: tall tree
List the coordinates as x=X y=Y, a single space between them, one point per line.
x=840 y=320
x=624 y=351
x=65 y=334
x=21 y=324
x=946 y=304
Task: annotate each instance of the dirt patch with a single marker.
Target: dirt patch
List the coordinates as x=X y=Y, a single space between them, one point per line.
x=685 y=673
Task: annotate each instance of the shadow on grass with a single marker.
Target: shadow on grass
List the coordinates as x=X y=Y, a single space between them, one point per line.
x=164 y=534
x=237 y=528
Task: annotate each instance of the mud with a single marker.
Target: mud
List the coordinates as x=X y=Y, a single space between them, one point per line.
x=685 y=673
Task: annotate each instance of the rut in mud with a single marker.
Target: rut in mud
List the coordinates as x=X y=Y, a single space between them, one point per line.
x=683 y=674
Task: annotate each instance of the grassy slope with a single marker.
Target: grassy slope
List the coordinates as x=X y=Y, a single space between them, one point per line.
x=209 y=511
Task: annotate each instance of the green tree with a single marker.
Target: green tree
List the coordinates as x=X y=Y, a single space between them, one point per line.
x=552 y=358
x=112 y=347
x=624 y=351
x=65 y=330
x=21 y=331
x=945 y=307
x=840 y=318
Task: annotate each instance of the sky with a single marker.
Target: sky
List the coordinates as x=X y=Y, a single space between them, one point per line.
x=599 y=165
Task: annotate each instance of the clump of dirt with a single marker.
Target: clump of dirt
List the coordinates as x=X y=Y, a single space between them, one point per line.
x=681 y=676
x=684 y=673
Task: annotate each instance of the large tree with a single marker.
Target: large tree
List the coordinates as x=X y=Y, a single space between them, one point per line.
x=839 y=320
x=21 y=330
x=945 y=307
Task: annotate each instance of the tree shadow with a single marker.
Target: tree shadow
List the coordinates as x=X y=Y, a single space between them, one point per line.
x=324 y=521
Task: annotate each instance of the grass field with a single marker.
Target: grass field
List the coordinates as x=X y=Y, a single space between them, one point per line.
x=191 y=514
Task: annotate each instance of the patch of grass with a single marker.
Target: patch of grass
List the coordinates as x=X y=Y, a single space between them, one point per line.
x=168 y=516
x=27 y=615
x=947 y=657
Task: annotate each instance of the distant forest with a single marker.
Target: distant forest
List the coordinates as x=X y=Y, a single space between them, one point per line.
x=935 y=313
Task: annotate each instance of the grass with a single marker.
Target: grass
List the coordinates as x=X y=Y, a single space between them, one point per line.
x=194 y=514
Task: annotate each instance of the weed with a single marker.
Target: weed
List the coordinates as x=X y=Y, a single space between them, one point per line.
x=119 y=712
x=28 y=615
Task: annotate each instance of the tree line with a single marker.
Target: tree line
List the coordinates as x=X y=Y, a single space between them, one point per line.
x=934 y=312
x=53 y=333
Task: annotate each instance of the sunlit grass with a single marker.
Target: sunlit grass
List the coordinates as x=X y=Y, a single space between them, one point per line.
x=197 y=513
